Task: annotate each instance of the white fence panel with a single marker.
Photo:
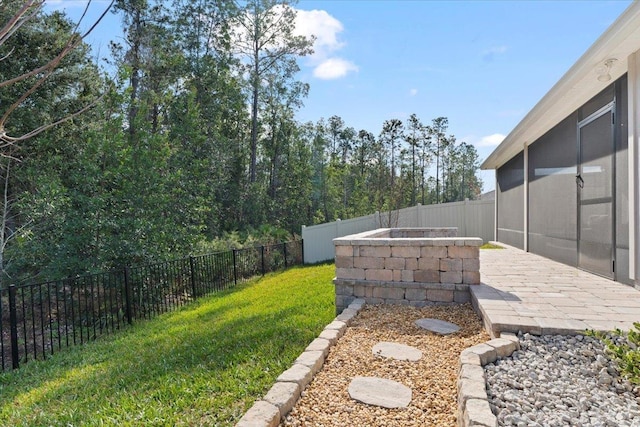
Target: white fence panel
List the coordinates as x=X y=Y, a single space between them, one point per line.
x=473 y=219
x=480 y=220
x=318 y=239
x=444 y=215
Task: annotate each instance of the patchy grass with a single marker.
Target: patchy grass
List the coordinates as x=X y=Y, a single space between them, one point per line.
x=491 y=246
x=624 y=348
x=202 y=365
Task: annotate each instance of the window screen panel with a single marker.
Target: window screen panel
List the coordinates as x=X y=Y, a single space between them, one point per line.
x=552 y=193
x=510 y=197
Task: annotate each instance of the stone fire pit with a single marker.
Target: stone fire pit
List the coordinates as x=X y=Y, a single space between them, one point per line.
x=412 y=266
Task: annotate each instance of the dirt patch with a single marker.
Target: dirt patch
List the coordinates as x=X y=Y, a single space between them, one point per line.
x=326 y=402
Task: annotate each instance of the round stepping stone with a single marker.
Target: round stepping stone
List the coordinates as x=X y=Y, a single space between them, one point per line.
x=397 y=351
x=380 y=392
x=438 y=326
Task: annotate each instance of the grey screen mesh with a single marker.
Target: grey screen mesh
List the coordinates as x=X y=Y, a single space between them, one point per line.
x=552 y=193
x=596 y=202
x=510 y=199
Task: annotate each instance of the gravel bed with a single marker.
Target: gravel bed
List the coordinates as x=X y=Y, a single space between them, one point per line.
x=326 y=401
x=559 y=380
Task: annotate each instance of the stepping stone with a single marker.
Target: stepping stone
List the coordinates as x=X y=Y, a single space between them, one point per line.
x=397 y=351
x=438 y=326
x=380 y=392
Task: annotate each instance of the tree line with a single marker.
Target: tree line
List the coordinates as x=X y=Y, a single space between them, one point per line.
x=191 y=140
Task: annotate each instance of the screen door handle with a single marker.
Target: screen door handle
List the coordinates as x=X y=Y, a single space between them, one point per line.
x=579 y=181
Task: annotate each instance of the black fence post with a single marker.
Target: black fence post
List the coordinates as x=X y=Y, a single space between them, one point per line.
x=13 y=320
x=127 y=295
x=193 y=277
x=262 y=250
x=302 y=251
x=235 y=270
x=284 y=246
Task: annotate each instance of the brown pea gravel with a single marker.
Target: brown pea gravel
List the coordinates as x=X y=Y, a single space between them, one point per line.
x=432 y=379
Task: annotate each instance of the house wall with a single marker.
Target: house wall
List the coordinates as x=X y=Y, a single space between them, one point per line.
x=552 y=194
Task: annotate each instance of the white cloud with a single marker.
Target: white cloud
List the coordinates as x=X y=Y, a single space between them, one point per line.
x=413 y=92
x=326 y=30
x=333 y=68
x=491 y=140
x=490 y=54
x=323 y=26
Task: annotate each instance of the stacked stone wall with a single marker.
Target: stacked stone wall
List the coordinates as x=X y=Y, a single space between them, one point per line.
x=415 y=270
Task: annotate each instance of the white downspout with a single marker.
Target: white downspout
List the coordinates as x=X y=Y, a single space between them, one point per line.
x=495 y=207
x=525 y=228
x=633 y=92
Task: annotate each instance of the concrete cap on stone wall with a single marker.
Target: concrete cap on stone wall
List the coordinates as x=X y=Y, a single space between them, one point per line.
x=422 y=241
x=406 y=237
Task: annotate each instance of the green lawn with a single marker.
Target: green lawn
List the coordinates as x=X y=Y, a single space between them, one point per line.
x=491 y=246
x=202 y=365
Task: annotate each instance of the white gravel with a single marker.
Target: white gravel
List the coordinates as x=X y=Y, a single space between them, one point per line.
x=558 y=380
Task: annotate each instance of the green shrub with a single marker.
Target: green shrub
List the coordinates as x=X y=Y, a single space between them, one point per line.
x=624 y=347
x=262 y=236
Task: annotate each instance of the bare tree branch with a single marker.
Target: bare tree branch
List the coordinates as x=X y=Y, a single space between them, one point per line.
x=7 y=55
x=8 y=140
x=28 y=10
x=72 y=43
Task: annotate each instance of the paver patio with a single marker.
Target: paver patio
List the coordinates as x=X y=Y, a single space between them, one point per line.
x=521 y=291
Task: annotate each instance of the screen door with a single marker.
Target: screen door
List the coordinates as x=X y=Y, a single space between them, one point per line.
x=595 y=186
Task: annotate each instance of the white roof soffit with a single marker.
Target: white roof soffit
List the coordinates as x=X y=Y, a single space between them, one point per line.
x=576 y=87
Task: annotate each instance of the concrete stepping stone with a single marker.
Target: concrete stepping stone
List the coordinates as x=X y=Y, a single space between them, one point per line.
x=438 y=326
x=380 y=392
x=397 y=351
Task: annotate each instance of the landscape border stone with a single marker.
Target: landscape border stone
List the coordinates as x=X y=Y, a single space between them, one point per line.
x=473 y=402
x=284 y=394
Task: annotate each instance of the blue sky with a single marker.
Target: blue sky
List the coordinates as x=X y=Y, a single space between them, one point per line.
x=482 y=64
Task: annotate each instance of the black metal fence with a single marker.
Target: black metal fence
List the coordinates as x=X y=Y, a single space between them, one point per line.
x=40 y=319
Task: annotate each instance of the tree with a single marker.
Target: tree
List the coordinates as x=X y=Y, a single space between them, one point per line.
x=416 y=138
x=282 y=96
x=27 y=80
x=466 y=184
x=437 y=132
x=264 y=36
x=209 y=115
x=390 y=135
x=319 y=146
x=335 y=128
x=360 y=170
x=47 y=79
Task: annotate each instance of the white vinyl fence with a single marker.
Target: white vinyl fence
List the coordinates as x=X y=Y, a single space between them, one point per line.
x=473 y=219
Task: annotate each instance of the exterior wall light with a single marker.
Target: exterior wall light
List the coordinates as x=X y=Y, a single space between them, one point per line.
x=603 y=69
